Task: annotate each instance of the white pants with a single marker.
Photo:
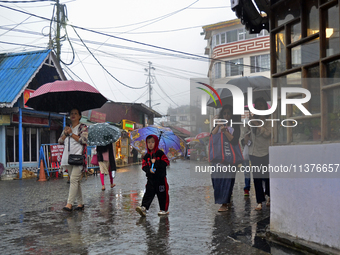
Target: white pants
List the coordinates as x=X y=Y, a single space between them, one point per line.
x=75 y=192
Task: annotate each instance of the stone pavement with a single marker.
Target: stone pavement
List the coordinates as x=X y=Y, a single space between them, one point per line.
x=32 y=220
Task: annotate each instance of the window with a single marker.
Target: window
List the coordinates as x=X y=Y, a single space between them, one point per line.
x=234 y=67
x=250 y=36
x=263 y=32
x=259 y=63
x=217 y=70
x=213 y=41
x=172 y=118
x=223 y=38
x=232 y=36
x=241 y=34
x=30 y=141
x=218 y=39
x=332 y=31
x=183 y=118
x=311 y=51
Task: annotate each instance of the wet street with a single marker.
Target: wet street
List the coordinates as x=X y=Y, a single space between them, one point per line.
x=32 y=220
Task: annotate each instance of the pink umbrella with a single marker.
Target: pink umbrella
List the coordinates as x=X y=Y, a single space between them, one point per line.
x=62 y=96
x=202 y=135
x=189 y=139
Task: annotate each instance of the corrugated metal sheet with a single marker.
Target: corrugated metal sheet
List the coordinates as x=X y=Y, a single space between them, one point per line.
x=16 y=70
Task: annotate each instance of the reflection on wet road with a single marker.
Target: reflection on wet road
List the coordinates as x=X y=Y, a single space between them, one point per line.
x=32 y=222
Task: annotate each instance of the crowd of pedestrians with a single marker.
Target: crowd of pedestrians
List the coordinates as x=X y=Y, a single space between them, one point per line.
x=255 y=142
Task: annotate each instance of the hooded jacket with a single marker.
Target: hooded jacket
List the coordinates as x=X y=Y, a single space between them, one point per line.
x=161 y=160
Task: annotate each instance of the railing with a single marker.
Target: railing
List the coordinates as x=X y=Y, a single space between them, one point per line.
x=51 y=155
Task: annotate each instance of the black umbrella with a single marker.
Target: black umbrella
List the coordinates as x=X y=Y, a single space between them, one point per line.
x=63 y=96
x=260 y=84
x=102 y=134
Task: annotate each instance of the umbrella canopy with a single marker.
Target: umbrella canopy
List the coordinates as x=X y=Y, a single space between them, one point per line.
x=260 y=84
x=102 y=134
x=172 y=145
x=189 y=139
x=246 y=106
x=202 y=135
x=62 y=96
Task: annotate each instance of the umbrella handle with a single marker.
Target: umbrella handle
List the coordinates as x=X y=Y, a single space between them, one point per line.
x=159 y=138
x=152 y=167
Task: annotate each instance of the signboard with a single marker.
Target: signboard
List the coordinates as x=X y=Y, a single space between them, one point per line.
x=98 y=117
x=30 y=120
x=124 y=147
x=128 y=125
x=56 y=152
x=27 y=95
x=138 y=125
x=5 y=120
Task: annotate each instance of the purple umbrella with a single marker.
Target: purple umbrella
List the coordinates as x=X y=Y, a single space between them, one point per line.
x=172 y=145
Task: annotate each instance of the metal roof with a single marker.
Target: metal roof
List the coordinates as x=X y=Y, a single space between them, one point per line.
x=16 y=72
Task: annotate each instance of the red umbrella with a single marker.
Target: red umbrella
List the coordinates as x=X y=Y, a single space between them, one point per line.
x=62 y=96
x=202 y=135
x=189 y=139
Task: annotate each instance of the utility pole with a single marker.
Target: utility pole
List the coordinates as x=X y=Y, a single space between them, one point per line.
x=58 y=31
x=149 y=80
x=59 y=19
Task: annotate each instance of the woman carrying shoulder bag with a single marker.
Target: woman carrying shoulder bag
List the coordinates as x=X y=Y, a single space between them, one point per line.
x=223 y=182
x=74 y=139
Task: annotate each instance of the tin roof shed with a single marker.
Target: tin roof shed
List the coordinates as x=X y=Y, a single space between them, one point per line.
x=27 y=70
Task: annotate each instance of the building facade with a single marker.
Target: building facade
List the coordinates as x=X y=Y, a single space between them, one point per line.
x=234 y=52
x=22 y=129
x=304 y=53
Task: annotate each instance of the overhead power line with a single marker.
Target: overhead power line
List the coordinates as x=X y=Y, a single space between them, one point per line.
x=103 y=66
x=164 y=92
x=113 y=36
x=166 y=16
x=132 y=41
x=154 y=19
x=31 y=1
x=20 y=44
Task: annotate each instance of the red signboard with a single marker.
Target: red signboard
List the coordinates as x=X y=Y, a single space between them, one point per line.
x=27 y=94
x=97 y=117
x=57 y=152
x=30 y=120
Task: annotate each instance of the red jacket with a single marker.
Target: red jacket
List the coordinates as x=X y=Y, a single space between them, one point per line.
x=160 y=164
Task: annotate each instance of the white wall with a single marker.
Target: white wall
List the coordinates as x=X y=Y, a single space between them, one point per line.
x=309 y=207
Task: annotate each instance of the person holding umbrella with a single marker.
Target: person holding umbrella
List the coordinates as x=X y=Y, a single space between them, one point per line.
x=74 y=138
x=154 y=165
x=107 y=163
x=103 y=135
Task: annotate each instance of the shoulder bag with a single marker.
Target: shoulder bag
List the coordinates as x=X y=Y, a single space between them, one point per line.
x=74 y=159
x=222 y=151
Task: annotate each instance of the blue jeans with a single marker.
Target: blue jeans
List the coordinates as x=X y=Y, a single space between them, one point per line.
x=246 y=176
